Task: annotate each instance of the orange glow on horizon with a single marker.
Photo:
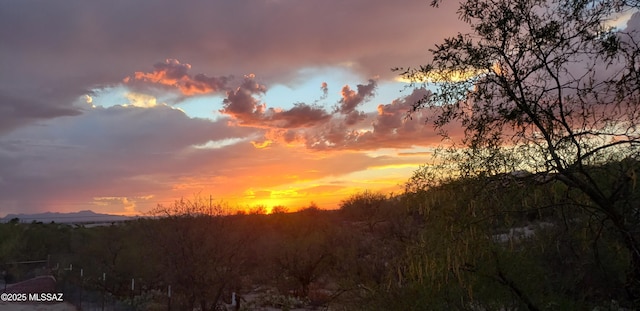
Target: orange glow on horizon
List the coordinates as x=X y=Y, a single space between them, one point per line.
x=290 y=177
x=325 y=194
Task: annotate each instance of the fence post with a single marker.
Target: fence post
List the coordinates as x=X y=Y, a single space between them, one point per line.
x=104 y=287
x=169 y=300
x=81 y=285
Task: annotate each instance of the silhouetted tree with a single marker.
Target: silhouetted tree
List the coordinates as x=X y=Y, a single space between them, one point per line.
x=365 y=206
x=200 y=251
x=549 y=87
x=304 y=249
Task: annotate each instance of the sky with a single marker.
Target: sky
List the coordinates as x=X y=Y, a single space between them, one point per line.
x=118 y=106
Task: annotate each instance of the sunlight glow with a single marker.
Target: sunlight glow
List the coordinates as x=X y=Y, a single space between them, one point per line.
x=395 y=166
x=261 y=145
x=140 y=100
x=443 y=76
x=620 y=20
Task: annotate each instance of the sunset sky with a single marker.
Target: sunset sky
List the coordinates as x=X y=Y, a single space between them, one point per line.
x=117 y=106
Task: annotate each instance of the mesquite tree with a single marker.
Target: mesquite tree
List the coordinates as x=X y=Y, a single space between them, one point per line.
x=549 y=87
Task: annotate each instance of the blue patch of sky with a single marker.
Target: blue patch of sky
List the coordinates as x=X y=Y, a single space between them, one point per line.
x=307 y=89
x=203 y=106
x=108 y=97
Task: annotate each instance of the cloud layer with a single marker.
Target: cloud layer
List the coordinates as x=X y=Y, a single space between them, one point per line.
x=52 y=52
x=62 y=148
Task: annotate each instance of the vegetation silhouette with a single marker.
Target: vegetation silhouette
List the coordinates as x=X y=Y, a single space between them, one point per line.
x=545 y=87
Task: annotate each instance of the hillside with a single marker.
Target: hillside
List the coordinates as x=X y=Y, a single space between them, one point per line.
x=73 y=217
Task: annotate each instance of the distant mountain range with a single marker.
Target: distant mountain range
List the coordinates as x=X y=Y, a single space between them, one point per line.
x=76 y=217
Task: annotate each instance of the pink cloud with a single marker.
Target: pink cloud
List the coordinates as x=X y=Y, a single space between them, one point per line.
x=390 y=127
x=301 y=115
x=325 y=90
x=347 y=128
x=174 y=74
x=351 y=99
x=243 y=105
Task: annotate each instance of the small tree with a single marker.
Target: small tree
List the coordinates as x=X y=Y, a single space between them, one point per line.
x=303 y=249
x=365 y=206
x=279 y=209
x=201 y=251
x=546 y=86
